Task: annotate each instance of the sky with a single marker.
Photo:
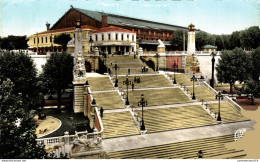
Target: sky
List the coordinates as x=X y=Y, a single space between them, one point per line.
x=26 y=17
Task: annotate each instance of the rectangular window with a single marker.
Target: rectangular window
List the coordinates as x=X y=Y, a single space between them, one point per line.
x=96 y=37
x=127 y=36
x=133 y=38
x=34 y=40
x=102 y=37
x=50 y=39
x=42 y=39
x=46 y=39
x=37 y=40
x=116 y=36
x=122 y=37
x=108 y=36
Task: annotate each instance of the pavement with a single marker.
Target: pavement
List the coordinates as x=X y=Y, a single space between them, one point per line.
x=146 y=140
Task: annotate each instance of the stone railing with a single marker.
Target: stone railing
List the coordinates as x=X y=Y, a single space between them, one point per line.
x=233 y=103
x=52 y=141
x=212 y=90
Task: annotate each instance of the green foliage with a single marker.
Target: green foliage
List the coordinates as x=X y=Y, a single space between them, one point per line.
x=232 y=66
x=62 y=40
x=235 y=40
x=177 y=40
x=57 y=73
x=20 y=69
x=14 y=42
x=17 y=141
x=201 y=39
x=250 y=38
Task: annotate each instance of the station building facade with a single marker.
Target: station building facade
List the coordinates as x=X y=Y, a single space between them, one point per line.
x=147 y=32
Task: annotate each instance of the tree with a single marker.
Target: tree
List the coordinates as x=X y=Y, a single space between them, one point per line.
x=250 y=38
x=21 y=70
x=201 y=39
x=219 y=42
x=177 y=40
x=62 y=40
x=232 y=67
x=17 y=126
x=57 y=73
x=235 y=40
x=14 y=42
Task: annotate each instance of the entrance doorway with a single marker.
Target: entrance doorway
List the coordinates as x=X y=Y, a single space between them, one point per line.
x=88 y=66
x=150 y=63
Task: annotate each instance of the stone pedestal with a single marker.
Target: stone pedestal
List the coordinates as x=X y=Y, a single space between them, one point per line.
x=161 y=49
x=140 y=51
x=96 y=52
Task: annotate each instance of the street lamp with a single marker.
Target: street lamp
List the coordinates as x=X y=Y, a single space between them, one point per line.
x=174 y=68
x=142 y=103
x=116 y=81
x=219 y=96
x=157 y=56
x=212 y=73
x=90 y=41
x=193 y=93
x=127 y=82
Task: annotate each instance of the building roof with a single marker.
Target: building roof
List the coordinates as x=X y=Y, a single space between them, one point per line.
x=85 y=27
x=118 y=20
x=112 y=28
x=209 y=47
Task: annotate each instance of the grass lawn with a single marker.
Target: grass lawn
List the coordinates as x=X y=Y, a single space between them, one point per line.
x=146 y=81
x=100 y=83
x=201 y=93
x=108 y=100
x=155 y=97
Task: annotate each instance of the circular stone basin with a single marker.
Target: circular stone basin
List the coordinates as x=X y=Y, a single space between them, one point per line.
x=46 y=126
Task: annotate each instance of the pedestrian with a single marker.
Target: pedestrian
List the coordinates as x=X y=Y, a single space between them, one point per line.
x=101 y=112
x=138 y=79
x=129 y=71
x=135 y=79
x=133 y=86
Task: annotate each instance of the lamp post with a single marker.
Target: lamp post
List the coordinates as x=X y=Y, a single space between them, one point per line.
x=219 y=96
x=142 y=103
x=116 y=81
x=212 y=73
x=127 y=82
x=174 y=68
x=157 y=56
x=90 y=41
x=193 y=78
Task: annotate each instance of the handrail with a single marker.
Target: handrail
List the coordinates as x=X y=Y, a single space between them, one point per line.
x=212 y=90
x=233 y=103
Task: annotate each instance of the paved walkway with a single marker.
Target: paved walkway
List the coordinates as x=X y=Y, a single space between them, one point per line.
x=139 y=141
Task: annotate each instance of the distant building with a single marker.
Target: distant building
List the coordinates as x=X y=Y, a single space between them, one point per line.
x=44 y=41
x=147 y=32
x=209 y=48
x=114 y=40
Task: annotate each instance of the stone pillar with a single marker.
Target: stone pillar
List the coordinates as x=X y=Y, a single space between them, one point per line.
x=85 y=109
x=96 y=52
x=66 y=143
x=140 y=51
x=161 y=47
x=92 y=114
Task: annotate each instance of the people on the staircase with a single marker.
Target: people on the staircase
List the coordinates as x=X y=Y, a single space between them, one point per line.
x=101 y=112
